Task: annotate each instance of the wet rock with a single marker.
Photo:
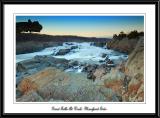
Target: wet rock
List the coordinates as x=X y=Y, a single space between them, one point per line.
x=69 y=43
x=107 y=59
x=73 y=47
x=89 y=68
x=73 y=63
x=101 y=61
x=20 y=67
x=110 y=63
x=63 y=51
x=104 y=55
x=99 y=44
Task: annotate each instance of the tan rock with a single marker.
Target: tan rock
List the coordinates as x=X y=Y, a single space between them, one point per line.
x=38 y=80
x=99 y=73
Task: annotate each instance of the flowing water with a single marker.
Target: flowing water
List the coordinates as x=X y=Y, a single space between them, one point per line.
x=83 y=53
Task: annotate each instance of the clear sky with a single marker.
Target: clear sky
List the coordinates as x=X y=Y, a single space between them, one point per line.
x=90 y=26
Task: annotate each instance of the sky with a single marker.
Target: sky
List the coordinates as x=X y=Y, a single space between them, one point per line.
x=88 y=26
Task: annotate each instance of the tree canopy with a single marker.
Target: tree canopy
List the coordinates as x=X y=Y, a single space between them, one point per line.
x=28 y=26
x=131 y=35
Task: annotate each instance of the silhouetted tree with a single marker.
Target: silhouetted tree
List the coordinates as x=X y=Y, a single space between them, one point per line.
x=115 y=36
x=133 y=34
x=28 y=26
x=141 y=33
x=121 y=35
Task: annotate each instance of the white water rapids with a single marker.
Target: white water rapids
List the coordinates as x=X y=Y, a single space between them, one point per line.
x=84 y=53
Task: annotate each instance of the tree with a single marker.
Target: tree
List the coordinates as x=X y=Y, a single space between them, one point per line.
x=121 y=35
x=133 y=34
x=115 y=36
x=28 y=26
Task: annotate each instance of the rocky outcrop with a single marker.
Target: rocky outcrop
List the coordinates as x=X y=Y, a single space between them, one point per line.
x=38 y=63
x=124 y=45
x=135 y=69
x=127 y=79
x=52 y=85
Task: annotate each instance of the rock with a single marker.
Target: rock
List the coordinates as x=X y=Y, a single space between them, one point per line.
x=73 y=47
x=52 y=100
x=104 y=55
x=37 y=64
x=89 y=68
x=18 y=94
x=41 y=62
x=125 y=45
x=91 y=76
x=109 y=94
x=134 y=68
x=114 y=80
x=69 y=43
x=52 y=85
x=73 y=63
x=63 y=51
x=107 y=59
x=109 y=62
x=32 y=96
x=20 y=67
x=99 y=44
x=39 y=79
x=101 y=61
x=99 y=73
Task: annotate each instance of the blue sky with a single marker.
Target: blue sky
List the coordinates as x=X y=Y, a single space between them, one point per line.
x=90 y=26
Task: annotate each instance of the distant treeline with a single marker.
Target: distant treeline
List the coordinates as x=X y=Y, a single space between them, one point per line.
x=131 y=35
x=23 y=37
x=28 y=26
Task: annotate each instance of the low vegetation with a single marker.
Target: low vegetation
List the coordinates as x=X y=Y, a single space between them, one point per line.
x=131 y=35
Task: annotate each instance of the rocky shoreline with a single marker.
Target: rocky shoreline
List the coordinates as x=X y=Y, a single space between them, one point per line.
x=44 y=78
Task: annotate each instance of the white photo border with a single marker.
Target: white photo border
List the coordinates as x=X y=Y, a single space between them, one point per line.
x=149 y=31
